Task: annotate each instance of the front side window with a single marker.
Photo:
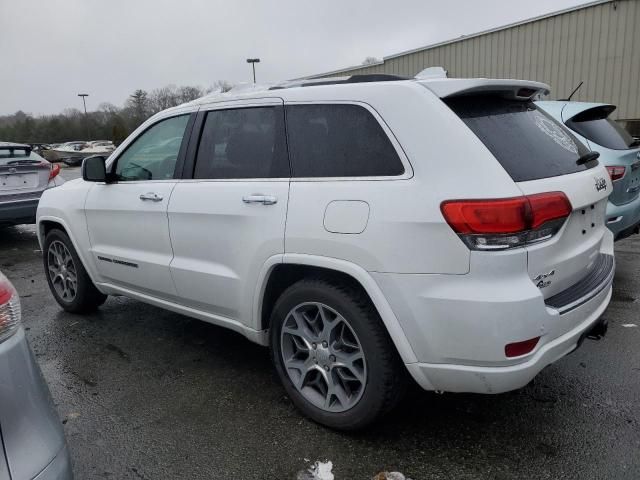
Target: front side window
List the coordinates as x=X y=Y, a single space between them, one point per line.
x=153 y=155
x=243 y=143
x=339 y=140
x=595 y=125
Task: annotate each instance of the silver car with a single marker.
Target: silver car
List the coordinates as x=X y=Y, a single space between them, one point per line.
x=24 y=175
x=30 y=430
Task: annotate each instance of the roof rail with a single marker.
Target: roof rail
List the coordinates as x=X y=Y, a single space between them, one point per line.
x=363 y=78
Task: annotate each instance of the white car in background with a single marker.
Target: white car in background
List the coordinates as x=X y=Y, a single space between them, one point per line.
x=363 y=228
x=24 y=175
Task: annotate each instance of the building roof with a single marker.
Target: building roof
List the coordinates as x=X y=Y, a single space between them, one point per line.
x=464 y=37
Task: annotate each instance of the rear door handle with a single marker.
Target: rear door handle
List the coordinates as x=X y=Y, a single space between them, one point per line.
x=263 y=199
x=154 y=197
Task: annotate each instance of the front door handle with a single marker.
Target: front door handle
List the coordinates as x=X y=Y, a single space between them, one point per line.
x=263 y=199
x=154 y=197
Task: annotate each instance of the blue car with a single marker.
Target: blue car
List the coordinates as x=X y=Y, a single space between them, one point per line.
x=619 y=152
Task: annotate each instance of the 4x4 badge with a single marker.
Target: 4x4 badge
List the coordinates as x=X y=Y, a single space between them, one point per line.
x=601 y=183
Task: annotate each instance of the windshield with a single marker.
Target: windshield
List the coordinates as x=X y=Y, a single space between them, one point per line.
x=527 y=142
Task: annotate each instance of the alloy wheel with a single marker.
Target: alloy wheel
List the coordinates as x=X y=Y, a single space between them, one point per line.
x=323 y=357
x=62 y=271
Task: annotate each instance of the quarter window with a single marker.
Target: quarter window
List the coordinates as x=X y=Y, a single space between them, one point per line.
x=243 y=143
x=153 y=155
x=330 y=140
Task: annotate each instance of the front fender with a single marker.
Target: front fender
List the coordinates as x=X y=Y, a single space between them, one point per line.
x=65 y=206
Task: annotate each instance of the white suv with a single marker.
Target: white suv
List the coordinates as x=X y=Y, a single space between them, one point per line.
x=362 y=228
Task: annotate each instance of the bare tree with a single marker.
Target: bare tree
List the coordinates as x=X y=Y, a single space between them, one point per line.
x=187 y=94
x=163 y=98
x=370 y=61
x=222 y=86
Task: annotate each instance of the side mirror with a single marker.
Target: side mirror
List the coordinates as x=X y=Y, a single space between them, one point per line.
x=94 y=169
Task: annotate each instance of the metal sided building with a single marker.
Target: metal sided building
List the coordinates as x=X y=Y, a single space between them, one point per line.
x=598 y=43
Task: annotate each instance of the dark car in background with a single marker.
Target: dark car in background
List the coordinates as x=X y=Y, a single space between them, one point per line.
x=24 y=175
x=32 y=444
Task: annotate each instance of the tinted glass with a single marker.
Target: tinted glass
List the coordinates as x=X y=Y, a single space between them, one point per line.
x=527 y=142
x=339 y=141
x=153 y=155
x=595 y=126
x=8 y=156
x=243 y=143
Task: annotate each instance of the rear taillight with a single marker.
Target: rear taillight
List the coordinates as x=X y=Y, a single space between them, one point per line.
x=498 y=224
x=616 y=172
x=9 y=309
x=55 y=170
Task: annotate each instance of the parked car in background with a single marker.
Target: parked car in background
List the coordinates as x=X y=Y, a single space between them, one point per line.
x=30 y=430
x=72 y=153
x=619 y=152
x=24 y=175
x=444 y=228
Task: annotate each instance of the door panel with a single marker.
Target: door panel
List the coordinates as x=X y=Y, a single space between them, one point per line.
x=130 y=237
x=220 y=242
x=127 y=219
x=230 y=219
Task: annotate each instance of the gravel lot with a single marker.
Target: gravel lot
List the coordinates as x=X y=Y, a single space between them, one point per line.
x=145 y=393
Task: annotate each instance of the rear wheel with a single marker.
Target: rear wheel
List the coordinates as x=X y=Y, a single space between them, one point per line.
x=67 y=278
x=333 y=354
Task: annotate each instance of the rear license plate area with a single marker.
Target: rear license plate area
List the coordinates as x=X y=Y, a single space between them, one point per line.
x=19 y=180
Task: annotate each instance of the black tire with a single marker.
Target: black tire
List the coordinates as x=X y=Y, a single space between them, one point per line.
x=87 y=298
x=386 y=379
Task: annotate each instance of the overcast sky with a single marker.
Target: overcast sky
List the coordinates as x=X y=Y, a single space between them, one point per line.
x=51 y=50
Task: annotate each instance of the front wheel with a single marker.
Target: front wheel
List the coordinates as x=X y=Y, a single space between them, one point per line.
x=67 y=278
x=333 y=354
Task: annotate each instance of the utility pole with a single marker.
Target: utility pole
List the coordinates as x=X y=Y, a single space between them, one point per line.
x=253 y=62
x=86 y=118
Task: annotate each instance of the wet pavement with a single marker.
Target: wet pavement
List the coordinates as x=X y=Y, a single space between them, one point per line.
x=148 y=394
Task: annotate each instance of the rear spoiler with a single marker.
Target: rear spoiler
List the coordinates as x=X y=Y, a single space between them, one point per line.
x=599 y=112
x=13 y=148
x=512 y=89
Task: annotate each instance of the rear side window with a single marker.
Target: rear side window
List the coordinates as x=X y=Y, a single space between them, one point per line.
x=594 y=125
x=243 y=143
x=339 y=141
x=527 y=142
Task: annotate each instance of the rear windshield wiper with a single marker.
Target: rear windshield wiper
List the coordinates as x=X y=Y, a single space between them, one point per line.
x=588 y=158
x=635 y=143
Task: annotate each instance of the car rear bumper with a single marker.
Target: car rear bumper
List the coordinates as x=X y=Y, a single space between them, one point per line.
x=478 y=379
x=31 y=430
x=19 y=211
x=458 y=325
x=623 y=219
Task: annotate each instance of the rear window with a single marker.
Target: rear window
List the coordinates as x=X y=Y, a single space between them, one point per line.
x=338 y=140
x=11 y=156
x=594 y=125
x=527 y=142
